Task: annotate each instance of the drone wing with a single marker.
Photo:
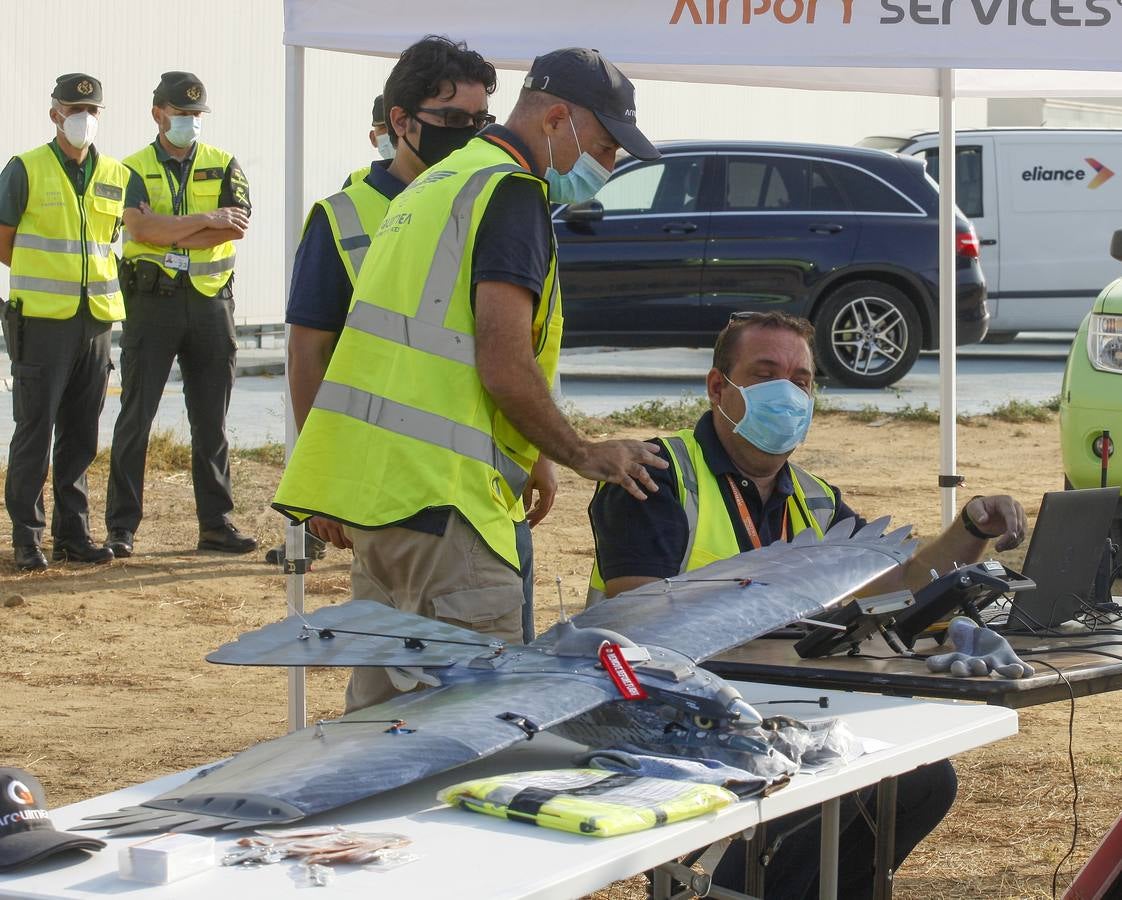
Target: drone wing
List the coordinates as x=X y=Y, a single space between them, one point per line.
x=363 y=754
x=727 y=603
x=358 y=633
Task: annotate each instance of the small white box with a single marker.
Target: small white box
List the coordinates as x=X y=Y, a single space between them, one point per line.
x=166 y=858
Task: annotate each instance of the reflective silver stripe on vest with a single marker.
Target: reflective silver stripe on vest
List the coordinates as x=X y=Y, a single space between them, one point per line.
x=352 y=236
x=414 y=333
x=819 y=502
x=61 y=245
x=112 y=286
x=46 y=285
x=554 y=293
x=58 y=286
x=214 y=267
x=688 y=478
x=422 y=426
x=450 y=249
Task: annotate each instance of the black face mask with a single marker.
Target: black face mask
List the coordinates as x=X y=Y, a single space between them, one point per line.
x=436 y=141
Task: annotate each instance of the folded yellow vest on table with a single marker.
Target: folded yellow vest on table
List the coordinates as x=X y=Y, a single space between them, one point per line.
x=587 y=801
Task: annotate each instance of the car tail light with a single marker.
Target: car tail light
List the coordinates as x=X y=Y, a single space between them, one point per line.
x=1104 y=342
x=966 y=243
x=1097 y=447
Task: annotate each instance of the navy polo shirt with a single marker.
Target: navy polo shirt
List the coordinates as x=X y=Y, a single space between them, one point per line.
x=648 y=538
x=320 y=294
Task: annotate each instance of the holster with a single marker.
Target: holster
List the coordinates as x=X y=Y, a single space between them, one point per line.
x=13 y=329
x=149 y=278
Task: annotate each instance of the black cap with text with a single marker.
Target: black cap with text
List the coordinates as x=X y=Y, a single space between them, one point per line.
x=26 y=832
x=585 y=78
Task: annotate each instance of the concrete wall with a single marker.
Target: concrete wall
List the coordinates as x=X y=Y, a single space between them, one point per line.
x=235 y=47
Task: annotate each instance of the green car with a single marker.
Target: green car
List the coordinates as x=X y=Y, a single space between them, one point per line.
x=1091 y=395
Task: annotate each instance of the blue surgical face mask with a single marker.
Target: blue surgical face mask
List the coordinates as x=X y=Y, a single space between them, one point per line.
x=776 y=417
x=582 y=182
x=385 y=146
x=183 y=131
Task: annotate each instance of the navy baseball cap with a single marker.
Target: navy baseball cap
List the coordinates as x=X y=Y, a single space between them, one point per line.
x=585 y=78
x=26 y=832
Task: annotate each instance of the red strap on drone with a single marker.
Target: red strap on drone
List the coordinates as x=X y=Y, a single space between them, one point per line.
x=621 y=673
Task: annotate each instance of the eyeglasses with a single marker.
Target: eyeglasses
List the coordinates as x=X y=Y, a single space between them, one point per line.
x=458 y=118
x=745 y=315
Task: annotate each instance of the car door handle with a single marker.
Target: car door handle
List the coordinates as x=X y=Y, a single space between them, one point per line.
x=829 y=228
x=989 y=242
x=679 y=227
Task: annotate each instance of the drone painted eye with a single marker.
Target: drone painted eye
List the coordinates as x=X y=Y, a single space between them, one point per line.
x=704 y=723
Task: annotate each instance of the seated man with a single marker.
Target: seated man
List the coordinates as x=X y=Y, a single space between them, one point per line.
x=730 y=488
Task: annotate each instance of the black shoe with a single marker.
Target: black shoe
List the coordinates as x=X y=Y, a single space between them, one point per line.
x=120 y=542
x=29 y=558
x=227 y=539
x=314 y=548
x=82 y=550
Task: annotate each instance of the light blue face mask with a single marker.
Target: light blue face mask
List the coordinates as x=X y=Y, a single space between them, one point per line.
x=183 y=131
x=776 y=417
x=385 y=146
x=582 y=182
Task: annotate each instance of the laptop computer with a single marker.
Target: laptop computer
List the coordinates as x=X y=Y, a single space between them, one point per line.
x=1063 y=557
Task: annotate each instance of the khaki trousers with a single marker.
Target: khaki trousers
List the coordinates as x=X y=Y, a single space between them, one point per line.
x=454 y=577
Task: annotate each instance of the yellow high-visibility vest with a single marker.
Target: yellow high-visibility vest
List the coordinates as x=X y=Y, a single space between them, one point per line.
x=353 y=214
x=711 y=533
x=63 y=242
x=402 y=422
x=211 y=267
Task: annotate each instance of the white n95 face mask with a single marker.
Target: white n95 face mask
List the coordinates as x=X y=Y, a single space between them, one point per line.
x=80 y=129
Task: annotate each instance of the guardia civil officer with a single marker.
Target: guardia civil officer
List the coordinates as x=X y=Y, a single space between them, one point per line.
x=60 y=210
x=186 y=204
x=380 y=137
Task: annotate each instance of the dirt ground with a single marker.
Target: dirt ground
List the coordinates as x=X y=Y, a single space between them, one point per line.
x=104 y=683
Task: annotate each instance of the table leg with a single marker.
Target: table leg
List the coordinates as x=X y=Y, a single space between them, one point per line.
x=828 y=854
x=660 y=884
x=754 y=848
x=886 y=839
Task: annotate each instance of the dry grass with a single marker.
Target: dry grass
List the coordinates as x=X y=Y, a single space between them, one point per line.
x=104 y=683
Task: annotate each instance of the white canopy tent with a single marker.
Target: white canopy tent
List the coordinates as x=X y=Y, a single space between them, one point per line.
x=944 y=48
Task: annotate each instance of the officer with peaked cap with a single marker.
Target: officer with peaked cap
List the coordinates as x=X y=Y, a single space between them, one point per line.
x=60 y=211
x=187 y=203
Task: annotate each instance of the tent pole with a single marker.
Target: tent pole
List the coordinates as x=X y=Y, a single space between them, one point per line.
x=948 y=408
x=293 y=214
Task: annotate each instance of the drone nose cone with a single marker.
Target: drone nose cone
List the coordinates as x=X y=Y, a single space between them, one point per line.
x=744 y=713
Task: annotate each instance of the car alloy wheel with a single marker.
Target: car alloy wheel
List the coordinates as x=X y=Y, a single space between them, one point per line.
x=867 y=334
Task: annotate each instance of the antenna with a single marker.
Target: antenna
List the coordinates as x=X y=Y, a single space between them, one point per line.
x=561 y=600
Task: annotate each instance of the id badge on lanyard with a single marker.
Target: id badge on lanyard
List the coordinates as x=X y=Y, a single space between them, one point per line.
x=177 y=260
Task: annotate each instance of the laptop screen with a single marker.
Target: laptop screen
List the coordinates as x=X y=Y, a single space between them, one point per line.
x=1063 y=556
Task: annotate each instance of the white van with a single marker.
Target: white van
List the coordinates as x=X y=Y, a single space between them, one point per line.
x=1045 y=203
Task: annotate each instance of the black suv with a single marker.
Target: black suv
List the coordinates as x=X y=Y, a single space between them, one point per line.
x=847 y=237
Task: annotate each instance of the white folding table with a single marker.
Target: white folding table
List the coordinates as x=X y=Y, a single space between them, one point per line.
x=466 y=855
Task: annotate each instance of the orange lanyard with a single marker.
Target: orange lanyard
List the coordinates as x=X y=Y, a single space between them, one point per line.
x=746 y=517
